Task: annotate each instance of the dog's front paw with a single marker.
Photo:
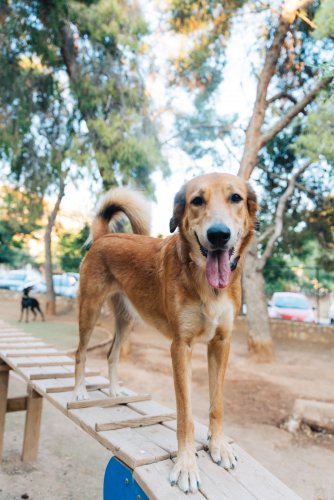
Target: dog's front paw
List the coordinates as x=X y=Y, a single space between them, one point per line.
x=185 y=473
x=116 y=391
x=222 y=453
x=80 y=394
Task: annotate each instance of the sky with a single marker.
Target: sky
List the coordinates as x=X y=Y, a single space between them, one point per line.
x=235 y=96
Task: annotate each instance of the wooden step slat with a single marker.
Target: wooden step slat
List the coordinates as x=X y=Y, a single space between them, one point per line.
x=17 y=338
x=18 y=347
x=43 y=376
x=134 y=422
x=30 y=364
x=107 y=403
x=67 y=388
x=31 y=354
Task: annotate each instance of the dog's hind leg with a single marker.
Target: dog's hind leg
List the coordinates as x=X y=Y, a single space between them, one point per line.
x=21 y=316
x=40 y=312
x=89 y=309
x=34 y=313
x=123 y=327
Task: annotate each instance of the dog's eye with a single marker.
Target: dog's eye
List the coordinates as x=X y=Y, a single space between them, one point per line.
x=197 y=201
x=236 y=198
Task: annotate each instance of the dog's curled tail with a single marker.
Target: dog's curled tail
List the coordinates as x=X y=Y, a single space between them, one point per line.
x=115 y=204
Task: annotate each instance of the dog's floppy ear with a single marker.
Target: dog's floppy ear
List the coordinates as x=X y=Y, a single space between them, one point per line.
x=251 y=202
x=179 y=206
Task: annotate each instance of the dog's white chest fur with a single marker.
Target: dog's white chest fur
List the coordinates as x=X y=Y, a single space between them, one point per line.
x=215 y=313
x=203 y=319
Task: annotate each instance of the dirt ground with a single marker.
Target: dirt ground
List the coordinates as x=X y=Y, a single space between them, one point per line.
x=258 y=399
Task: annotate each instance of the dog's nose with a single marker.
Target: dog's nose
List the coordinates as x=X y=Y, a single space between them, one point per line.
x=218 y=235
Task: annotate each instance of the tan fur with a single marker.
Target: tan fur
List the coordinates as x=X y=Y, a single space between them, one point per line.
x=131 y=203
x=165 y=282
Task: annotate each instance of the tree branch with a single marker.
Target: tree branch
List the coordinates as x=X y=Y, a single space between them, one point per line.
x=282 y=95
x=266 y=233
x=253 y=142
x=278 y=226
x=222 y=128
x=294 y=111
x=284 y=179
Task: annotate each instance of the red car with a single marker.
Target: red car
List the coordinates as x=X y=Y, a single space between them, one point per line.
x=292 y=306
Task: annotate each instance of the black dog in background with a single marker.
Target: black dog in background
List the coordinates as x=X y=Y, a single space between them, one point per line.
x=30 y=303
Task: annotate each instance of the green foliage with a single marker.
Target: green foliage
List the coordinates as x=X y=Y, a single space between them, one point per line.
x=207 y=25
x=71 y=92
x=324 y=20
x=277 y=275
x=316 y=141
x=71 y=249
x=19 y=215
x=308 y=232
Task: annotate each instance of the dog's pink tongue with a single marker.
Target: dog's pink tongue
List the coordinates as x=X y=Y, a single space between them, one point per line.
x=218 y=268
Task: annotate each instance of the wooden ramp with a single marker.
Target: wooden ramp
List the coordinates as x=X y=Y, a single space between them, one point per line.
x=140 y=433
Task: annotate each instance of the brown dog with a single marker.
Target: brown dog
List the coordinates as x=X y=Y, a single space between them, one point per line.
x=187 y=286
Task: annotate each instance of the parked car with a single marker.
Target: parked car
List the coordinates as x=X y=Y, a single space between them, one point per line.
x=64 y=285
x=331 y=313
x=292 y=306
x=17 y=280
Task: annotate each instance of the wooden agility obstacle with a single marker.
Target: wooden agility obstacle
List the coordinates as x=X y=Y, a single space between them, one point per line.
x=140 y=433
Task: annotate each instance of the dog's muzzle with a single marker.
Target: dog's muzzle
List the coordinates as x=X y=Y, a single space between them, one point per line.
x=204 y=252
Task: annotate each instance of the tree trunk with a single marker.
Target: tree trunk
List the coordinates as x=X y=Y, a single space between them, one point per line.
x=50 y=306
x=259 y=335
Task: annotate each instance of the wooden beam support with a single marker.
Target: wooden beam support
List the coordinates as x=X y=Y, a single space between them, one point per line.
x=17 y=404
x=32 y=426
x=107 y=403
x=4 y=378
x=135 y=422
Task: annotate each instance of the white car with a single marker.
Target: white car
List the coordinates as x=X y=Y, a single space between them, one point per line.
x=64 y=285
x=331 y=313
x=17 y=280
x=291 y=306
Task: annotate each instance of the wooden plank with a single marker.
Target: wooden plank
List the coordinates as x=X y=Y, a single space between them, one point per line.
x=60 y=400
x=32 y=427
x=67 y=384
x=55 y=375
x=151 y=408
x=17 y=404
x=48 y=363
x=217 y=482
x=161 y=436
x=134 y=422
x=132 y=447
x=200 y=431
x=64 y=388
x=126 y=444
x=258 y=480
x=154 y=480
x=17 y=338
x=23 y=345
x=32 y=353
x=4 y=378
x=33 y=345
x=106 y=403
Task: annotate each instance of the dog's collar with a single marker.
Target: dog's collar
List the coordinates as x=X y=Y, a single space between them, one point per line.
x=204 y=252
